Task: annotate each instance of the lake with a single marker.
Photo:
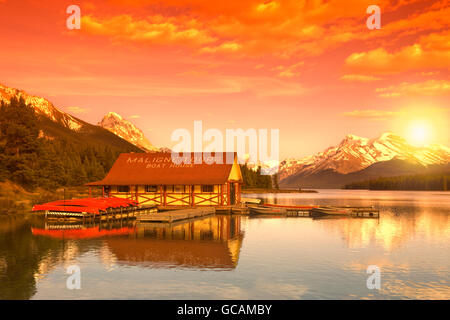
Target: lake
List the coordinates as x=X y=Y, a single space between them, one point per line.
x=240 y=257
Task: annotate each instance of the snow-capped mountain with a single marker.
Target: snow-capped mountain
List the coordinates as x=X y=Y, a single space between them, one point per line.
x=55 y=123
x=126 y=130
x=356 y=153
x=42 y=106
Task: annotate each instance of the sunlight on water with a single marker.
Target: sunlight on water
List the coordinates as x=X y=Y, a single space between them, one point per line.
x=239 y=257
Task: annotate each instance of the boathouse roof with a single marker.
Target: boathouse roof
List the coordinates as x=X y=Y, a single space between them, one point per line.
x=157 y=168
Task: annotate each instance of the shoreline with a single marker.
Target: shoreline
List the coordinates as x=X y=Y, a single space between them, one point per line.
x=263 y=190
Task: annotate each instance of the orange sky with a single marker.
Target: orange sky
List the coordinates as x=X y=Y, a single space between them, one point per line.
x=310 y=68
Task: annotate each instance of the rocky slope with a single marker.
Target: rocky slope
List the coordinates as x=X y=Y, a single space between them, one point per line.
x=42 y=106
x=54 y=123
x=126 y=130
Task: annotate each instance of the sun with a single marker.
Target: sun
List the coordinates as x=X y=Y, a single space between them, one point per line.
x=419 y=133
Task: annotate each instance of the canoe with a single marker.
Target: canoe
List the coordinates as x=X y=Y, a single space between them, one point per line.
x=290 y=207
x=251 y=200
x=266 y=210
x=316 y=212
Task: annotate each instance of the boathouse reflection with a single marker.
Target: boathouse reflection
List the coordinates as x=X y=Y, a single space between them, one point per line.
x=212 y=242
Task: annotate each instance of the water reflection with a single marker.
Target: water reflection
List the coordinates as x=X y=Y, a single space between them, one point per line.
x=282 y=257
x=212 y=242
x=20 y=257
x=392 y=230
x=29 y=250
x=401 y=219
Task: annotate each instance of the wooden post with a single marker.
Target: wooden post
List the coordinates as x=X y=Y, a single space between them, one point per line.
x=193 y=196
x=137 y=196
x=165 y=196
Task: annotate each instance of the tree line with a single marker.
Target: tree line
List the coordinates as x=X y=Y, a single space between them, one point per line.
x=32 y=160
x=254 y=179
x=436 y=182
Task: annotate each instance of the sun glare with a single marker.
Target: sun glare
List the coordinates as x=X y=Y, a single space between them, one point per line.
x=419 y=133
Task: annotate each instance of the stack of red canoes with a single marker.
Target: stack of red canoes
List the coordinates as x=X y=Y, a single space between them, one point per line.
x=88 y=205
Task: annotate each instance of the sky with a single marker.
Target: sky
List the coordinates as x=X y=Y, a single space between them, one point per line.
x=312 y=69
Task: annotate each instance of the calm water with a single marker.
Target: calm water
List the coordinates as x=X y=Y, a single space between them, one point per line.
x=225 y=257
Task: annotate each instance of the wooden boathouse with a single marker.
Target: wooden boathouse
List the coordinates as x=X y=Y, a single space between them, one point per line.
x=154 y=179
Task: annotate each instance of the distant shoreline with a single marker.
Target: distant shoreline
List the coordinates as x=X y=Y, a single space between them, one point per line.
x=264 y=190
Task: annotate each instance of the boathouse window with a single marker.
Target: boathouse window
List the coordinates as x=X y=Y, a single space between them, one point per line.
x=175 y=189
x=151 y=188
x=178 y=189
x=124 y=189
x=208 y=188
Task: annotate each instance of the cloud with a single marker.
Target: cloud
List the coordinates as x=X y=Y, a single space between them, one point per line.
x=281 y=28
x=155 y=29
x=135 y=116
x=428 y=73
x=77 y=110
x=372 y=114
x=432 y=51
x=267 y=6
x=430 y=87
x=359 y=78
x=153 y=86
x=224 y=47
x=289 y=71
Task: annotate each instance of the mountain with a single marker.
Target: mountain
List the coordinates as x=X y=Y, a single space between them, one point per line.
x=357 y=158
x=55 y=123
x=126 y=130
x=43 y=107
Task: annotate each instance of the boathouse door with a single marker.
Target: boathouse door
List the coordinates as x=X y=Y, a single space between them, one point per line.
x=232 y=193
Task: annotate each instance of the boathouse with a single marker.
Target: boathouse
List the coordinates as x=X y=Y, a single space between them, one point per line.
x=154 y=179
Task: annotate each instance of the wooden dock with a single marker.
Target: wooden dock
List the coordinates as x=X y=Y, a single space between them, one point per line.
x=109 y=215
x=169 y=215
x=176 y=215
x=239 y=210
x=342 y=211
x=298 y=213
x=365 y=213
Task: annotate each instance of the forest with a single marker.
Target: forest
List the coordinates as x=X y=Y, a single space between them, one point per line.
x=254 y=179
x=30 y=159
x=424 y=182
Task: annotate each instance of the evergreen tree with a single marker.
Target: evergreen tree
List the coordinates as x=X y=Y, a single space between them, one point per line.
x=32 y=160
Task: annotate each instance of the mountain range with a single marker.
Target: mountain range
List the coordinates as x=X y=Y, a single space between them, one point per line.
x=357 y=158
x=354 y=159
x=112 y=131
